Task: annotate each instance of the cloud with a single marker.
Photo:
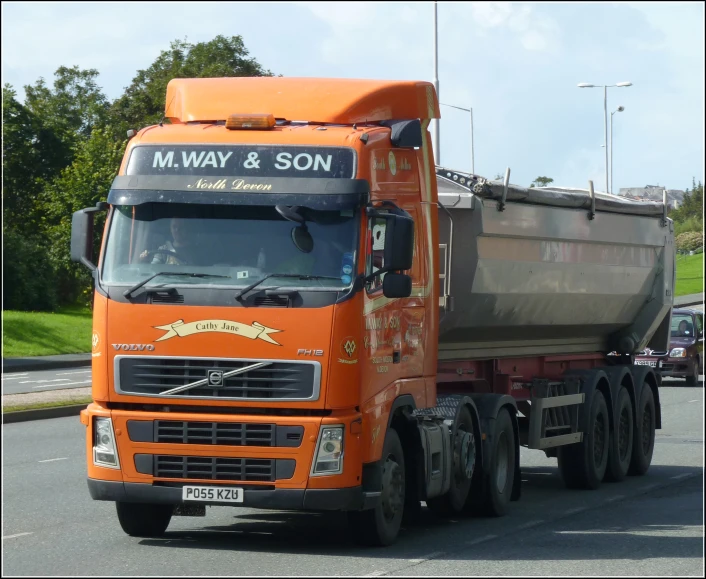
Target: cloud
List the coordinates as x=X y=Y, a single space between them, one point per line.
x=535 y=32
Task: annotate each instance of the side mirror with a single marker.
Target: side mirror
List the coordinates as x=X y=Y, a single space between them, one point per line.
x=396 y=285
x=82 y=235
x=399 y=242
x=82 y=238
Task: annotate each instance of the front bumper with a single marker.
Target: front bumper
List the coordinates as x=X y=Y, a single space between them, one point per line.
x=676 y=367
x=347 y=499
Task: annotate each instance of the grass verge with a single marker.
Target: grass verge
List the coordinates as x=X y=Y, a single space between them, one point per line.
x=690 y=275
x=37 y=405
x=67 y=331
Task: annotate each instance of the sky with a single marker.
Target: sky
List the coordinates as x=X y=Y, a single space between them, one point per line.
x=515 y=64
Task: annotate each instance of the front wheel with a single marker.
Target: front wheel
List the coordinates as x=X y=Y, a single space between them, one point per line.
x=693 y=378
x=381 y=525
x=144 y=520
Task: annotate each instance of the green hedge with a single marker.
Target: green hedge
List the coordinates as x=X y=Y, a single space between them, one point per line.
x=689 y=241
x=29 y=278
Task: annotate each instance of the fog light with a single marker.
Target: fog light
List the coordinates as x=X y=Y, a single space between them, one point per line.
x=329 y=451
x=104 y=449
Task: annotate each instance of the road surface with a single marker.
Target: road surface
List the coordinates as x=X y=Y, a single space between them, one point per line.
x=650 y=525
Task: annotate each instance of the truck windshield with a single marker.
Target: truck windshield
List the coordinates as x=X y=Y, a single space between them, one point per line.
x=237 y=245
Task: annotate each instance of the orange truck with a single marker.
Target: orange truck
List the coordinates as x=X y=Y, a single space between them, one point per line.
x=296 y=309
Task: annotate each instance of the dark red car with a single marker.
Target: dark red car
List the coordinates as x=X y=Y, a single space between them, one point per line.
x=686 y=348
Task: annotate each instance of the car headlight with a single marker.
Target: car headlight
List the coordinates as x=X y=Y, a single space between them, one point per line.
x=329 y=451
x=677 y=353
x=104 y=448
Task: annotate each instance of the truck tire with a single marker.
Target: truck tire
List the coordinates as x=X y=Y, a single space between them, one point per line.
x=144 y=520
x=620 y=453
x=498 y=482
x=464 y=456
x=693 y=378
x=380 y=526
x=644 y=441
x=583 y=465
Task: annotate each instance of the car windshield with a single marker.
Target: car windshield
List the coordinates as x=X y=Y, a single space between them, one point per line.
x=237 y=245
x=682 y=326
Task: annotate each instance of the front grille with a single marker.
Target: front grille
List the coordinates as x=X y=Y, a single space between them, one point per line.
x=652 y=353
x=271 y=380
x=215 y=468
x=204 y=467
x=233 y=433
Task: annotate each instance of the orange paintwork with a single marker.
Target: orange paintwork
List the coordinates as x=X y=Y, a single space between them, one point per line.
x=337 y=101
x=359 y=378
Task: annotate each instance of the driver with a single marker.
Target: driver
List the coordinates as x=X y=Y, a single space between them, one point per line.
x=684 y=328
x=176 y=252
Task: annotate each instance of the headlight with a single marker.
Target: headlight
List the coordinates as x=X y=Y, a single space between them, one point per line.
x=329 y=451
x=104 y=450
x=677 y=353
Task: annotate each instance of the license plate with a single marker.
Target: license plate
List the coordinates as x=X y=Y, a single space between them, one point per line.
x=652 y=363
x=212 y=494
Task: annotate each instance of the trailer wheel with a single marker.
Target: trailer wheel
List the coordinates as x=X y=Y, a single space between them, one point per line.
x=144 y=520
x=583 y=465
x=498 y=482
x=620 y=452
x=644 y=440
x=463 y=466
x=381 y=525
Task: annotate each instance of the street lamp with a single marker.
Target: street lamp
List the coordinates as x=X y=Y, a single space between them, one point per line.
x=468 y=111
x=435 y=122
x=620 y=109
x=605 y=116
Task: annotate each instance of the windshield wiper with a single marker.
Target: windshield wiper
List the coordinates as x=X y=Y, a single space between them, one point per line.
x=245 y=290
x=127 y=293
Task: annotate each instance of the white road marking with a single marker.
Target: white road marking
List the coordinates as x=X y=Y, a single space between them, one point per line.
x=376 y=574
x=68 y=373
x=694 y=401
x=685 y=474
x=43 y=381
x=481 y=540
x=12 y=376
x=613 y=499
x=574 y=511
x=65 y=384
x=16 y=535
x=433 y=555
x=530 y=524
x=53 y=459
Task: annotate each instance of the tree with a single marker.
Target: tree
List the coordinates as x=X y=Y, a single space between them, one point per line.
x=29 y=160
x=143 y=102
x=541 y=182
x=82 y=184
x=71 y=110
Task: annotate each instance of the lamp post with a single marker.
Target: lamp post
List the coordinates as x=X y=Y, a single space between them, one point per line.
x=468 y=111
x=435 y=122
x=620 y=109
x=605 y=116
